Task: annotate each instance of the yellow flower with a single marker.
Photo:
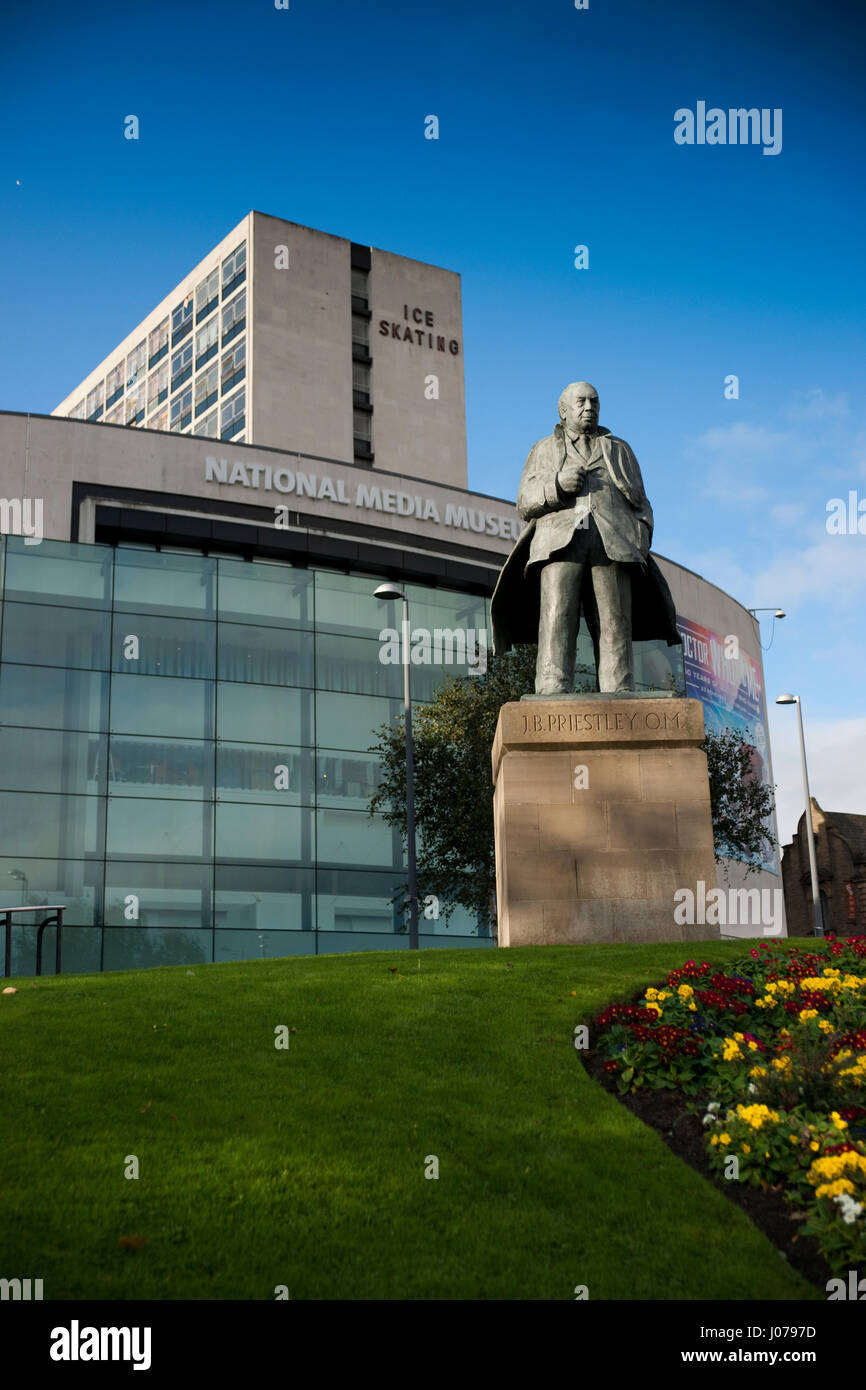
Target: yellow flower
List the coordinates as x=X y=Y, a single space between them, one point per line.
x=825 y=1026
x=747 y=1149
x=651 y=994
x=814 y=1146
x=793 y=1138
x=753 y=1047
x=837 y=1120
x=693 y=1007
x=724 y=1138
x=807 y=1013
x=685 y=991
x=833 y=1189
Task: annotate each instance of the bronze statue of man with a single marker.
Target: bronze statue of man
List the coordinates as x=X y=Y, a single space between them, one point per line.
x=585 y=551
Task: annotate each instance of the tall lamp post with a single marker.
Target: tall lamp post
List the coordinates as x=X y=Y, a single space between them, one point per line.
x=817 y=914
x=390 y=591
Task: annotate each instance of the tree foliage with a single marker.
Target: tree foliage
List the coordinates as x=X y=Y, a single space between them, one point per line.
x=740 y=803
x=452 y=741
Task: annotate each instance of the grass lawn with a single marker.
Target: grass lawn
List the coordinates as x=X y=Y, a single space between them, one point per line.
x=305 y=1167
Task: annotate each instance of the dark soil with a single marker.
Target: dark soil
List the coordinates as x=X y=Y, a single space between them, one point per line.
x=667 y=1112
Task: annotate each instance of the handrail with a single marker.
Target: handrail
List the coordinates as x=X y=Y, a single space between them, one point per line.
x=56 y=911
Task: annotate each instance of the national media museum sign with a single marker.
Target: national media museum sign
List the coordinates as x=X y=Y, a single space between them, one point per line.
x=366 y=496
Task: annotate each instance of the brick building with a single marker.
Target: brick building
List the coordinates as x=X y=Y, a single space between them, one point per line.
x=840 y=852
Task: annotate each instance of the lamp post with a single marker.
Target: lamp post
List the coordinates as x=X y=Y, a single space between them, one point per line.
x=390 y=591
x=817 y=915
x=22 y=879
x=776 y=612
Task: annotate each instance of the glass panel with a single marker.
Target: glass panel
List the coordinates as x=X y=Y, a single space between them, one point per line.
x=82 y=950
x=350 y=721
x=346 y=780
x=253 y=772
x=158 y=705
x=345 y=603
x=155 y=582
x=135 y=363
x=251 y=833
x=275 y=595
x=658 y=666
x=253 y=898
x=47 y=636
x=267 y=656
x=166 y=646
x=251 y=945
x=362 y=426
x=48 y=826
x=176 y=895
x=166 y=830
x=442 y=608
x=353 y=664
x=75 y=882
x=264 y=714
x=209 y=426
x=158 y=337
x=95 y=400
x=50 y=698
x=351 y=837
x=160 y=767
x=353 y=901
x=137 y=948
x=157 y=386
x=77 y=575
x=41 y=760
x=462 y=925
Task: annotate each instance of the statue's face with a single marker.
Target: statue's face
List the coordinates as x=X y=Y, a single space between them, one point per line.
x=581 y=409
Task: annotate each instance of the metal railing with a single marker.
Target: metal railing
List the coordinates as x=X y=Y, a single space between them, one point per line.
x=55 y=919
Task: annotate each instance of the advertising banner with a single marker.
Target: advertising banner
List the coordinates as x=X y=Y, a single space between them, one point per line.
x=731 y=691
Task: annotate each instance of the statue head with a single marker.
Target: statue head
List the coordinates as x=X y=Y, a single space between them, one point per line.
x=578 y=408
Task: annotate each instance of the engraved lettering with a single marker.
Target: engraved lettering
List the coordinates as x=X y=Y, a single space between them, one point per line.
x=656 y=725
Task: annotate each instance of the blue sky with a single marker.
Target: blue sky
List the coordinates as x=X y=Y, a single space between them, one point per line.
x=556 y=129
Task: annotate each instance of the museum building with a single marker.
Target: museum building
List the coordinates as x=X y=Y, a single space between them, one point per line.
x=191 y=673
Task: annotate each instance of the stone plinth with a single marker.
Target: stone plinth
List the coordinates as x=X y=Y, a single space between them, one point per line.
x=602 y=811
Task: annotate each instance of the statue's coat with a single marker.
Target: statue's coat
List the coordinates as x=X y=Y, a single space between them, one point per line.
x=625 y=526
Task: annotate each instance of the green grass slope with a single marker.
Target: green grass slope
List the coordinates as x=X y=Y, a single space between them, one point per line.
x=305 y=1167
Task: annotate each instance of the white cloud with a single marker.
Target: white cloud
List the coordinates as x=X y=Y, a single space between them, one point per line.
x=817 y=405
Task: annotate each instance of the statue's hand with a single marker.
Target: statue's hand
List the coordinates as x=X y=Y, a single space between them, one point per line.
x=571 y=476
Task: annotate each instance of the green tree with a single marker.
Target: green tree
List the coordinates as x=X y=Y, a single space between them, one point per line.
x=740 y=803
x=452 y=741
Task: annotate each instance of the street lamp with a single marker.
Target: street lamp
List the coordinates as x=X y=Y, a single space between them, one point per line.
x=22 y=879
x=390 y=591
x=818 y=918
x=776 y=612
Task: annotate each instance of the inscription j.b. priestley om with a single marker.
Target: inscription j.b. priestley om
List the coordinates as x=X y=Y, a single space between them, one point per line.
x=582 y=722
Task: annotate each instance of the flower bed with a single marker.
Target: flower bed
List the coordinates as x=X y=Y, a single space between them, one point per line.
x=773 y=1051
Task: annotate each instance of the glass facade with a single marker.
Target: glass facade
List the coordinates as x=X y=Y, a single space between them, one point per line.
x=184 y=755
